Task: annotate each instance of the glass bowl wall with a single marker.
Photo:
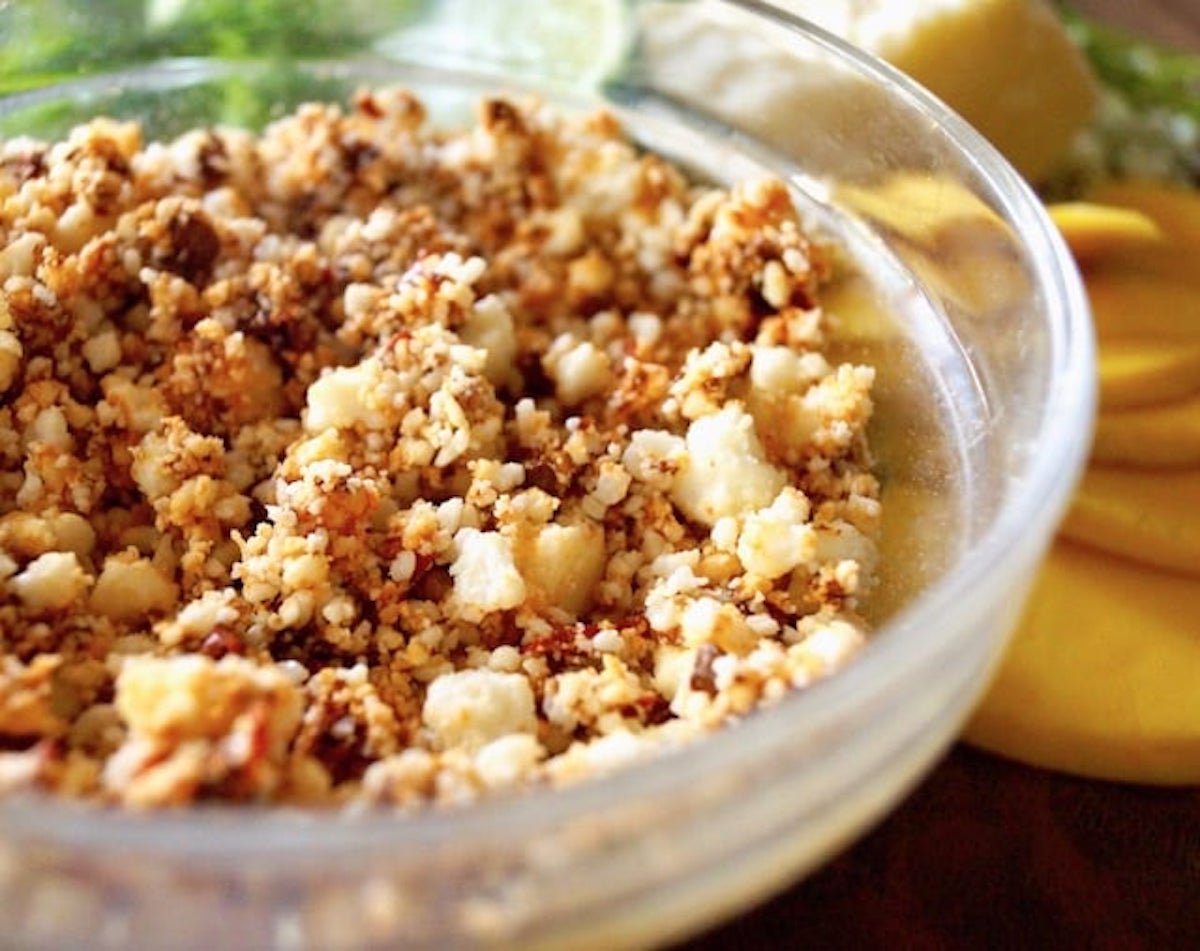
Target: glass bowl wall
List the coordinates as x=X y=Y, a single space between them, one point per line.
x=984 y=415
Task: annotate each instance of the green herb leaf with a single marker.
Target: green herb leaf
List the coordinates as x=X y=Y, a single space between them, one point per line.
x=1146 y=74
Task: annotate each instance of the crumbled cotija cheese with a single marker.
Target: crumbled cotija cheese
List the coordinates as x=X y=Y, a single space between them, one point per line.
x=358 y=460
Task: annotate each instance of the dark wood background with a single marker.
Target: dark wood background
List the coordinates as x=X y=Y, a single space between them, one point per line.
x=1176 y=22
x=990 y=854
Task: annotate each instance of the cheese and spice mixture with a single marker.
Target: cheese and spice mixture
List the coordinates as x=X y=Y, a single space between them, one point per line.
x=358 y=461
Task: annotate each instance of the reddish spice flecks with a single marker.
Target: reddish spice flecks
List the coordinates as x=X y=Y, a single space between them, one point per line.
x=221 y=641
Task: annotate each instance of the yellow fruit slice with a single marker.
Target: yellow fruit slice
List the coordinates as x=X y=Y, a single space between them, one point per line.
x=1162 y=436
x=1151 y=517
x=955 y=242
x=1095 y=231
x=1176 y=212
x=1103 y=676
x=923 y=207
x=1129 y=305
x=1136 y=373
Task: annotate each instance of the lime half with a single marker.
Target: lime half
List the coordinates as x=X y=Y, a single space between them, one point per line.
x=583 y=42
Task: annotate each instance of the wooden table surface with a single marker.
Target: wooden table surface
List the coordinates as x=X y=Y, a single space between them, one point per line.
x=1175 y=22
x=988 y=853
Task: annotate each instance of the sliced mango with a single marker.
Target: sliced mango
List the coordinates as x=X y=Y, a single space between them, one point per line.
x=1103 y=676
x=1176 y=213
x=1176 y=210
x=1129 y=305
x=955 y=242
x=1136 y=372
x=1162 y=436
x=923 y=207
x=1145 y=515
x=1094 y=231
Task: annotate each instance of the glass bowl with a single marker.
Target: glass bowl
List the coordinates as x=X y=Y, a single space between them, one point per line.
x=984 y=410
